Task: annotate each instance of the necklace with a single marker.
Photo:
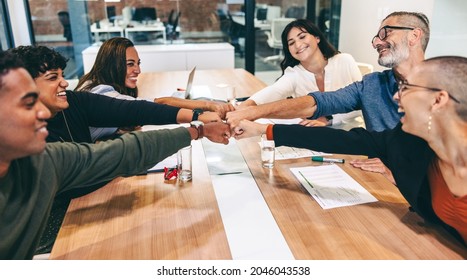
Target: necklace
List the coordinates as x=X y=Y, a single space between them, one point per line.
x=67 y=127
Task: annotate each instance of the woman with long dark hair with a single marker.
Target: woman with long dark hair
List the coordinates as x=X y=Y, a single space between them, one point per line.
x=112 y=70
x=310 y=64
x=115 y=74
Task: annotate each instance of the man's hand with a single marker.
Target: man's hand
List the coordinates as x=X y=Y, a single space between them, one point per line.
x=234 y=117
x=220 y=108
x=247 y=129
x=218 y=132
x=321 y=121
x=207 y=117
x=374 y=165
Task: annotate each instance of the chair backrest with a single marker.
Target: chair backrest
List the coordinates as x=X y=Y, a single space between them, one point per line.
x=111 y=13
x=295 y=12
x=64 y=18
x=236 y=30
x=127 y=14
x=171 y=27
x=277 y=26
x=176 y=21
x=145 y=13
x=273 y=12
x=365 y=68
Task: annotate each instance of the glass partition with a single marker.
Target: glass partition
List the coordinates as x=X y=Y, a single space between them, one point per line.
x=70 y=26
x=5 y=29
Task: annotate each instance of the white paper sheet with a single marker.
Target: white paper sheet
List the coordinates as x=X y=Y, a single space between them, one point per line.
x=284 y=152
x=169 y=162
x=331 y=187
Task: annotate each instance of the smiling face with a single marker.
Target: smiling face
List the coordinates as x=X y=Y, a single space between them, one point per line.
x=22 y=116
x=302 y=45
x=416 y=102
x=393 y=49
x=132 y=67
x=52 y=85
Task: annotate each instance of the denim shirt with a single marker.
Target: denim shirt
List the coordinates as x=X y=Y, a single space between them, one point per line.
x=373 y=95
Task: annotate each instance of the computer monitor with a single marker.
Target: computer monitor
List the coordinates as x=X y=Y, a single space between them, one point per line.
x=111 y=13
x=261 y=13
x=145 y=13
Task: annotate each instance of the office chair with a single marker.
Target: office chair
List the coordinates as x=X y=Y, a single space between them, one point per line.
x=111 y=13
x=295 y=12
x=171 y=26
x=236 y=33
x=273 y=12
x=274 y=37
x=365 y=68
x=64 y=19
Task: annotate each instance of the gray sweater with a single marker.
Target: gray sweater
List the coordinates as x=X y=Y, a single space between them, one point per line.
x=28 y=189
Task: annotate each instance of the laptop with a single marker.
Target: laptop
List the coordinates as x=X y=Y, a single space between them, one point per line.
x=195 y=92
x=186 y=93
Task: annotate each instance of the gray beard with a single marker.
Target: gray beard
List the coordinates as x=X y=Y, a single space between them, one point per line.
x=396 y=55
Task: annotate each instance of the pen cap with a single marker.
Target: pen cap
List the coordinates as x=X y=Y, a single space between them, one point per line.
x=316 y=158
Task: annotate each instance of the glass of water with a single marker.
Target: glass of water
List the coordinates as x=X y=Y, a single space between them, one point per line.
x=184 y=164
x=267 y=152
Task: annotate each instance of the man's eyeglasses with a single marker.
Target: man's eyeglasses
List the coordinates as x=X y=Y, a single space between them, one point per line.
x=403 y=85
x=383 y=32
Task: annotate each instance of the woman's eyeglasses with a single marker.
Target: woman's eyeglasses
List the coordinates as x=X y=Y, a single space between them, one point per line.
x=404 y=85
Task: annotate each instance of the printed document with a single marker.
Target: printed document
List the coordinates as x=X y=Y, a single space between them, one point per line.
x=169 y=162
x=284 y=152
x=331 y=187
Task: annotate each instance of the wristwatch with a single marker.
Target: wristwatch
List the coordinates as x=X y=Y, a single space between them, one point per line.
x=196 y=113
x=329 y=119
x=199 y=125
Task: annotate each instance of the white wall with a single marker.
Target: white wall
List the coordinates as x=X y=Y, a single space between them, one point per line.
x=448 y=29
x=360 y=20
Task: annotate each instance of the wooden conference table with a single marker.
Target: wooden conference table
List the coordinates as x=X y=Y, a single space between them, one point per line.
x=143 y=217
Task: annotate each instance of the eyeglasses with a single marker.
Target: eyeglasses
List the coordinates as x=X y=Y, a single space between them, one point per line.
x=383 y=32
x=403 y=85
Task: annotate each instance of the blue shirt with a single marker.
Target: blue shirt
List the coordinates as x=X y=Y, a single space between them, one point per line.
x=373 y=95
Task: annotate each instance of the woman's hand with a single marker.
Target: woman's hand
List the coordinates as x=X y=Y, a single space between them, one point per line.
x=321 y=121
x=374 y=165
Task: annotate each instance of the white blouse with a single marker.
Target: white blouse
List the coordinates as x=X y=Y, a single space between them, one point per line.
x=340 y=71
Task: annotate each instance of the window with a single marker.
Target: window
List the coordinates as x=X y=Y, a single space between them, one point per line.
x=5 y=28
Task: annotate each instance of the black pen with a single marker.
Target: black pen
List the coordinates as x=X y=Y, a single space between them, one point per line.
x=323 y=159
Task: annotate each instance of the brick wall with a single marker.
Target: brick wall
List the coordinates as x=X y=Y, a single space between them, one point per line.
x=44 y=16
x=196 y=15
